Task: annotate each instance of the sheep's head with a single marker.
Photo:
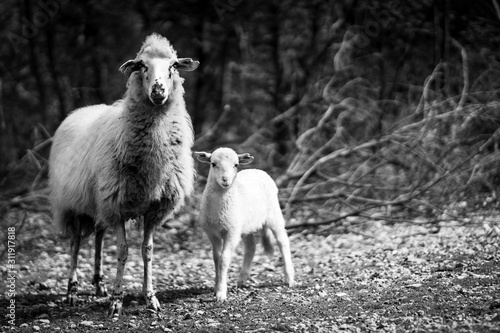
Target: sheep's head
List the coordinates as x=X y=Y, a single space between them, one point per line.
x=224 y=164
x=157 y=65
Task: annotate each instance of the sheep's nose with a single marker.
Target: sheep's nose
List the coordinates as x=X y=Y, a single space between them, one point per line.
x=157 y=94
x=224 y=179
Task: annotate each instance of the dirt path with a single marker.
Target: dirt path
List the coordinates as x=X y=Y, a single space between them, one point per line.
x=372 y=277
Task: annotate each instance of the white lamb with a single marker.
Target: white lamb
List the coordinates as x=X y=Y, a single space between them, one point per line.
x=236 y=204
x=111 y=163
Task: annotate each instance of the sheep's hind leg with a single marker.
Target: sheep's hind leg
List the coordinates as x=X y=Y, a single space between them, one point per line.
x=117 y=298
x=74 y=249
x=98 y=280
x=284 y=246
x=249 y=242
x=147 y=256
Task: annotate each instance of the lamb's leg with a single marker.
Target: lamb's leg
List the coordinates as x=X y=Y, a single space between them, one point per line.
x=147 y=256
x=74 y=249
x=284 y=246
x=249 y=242
x=117 y=299
x=216 y=253
x=229 y=243
x=98 y=280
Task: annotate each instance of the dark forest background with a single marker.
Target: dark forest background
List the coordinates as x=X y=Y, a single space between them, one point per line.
x=348 y=104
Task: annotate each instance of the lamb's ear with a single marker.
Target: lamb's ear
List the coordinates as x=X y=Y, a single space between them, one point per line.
x=186 y=64
x=245 y=158
x=202 y=156
x=131 y=66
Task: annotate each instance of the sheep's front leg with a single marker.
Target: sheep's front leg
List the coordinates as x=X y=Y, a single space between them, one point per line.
x=73 y=278
x=98 y=280
x=249 y=242
x=147 y=257
x=229 y=243
x=117 y=297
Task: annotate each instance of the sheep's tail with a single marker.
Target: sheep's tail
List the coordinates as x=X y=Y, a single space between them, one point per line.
x=69 y=224
x=267 y=241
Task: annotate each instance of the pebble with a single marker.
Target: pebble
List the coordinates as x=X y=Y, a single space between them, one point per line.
x=44 y=321
x=87 y=323
x=36 y=328
x=23 y=325
x=43 y=316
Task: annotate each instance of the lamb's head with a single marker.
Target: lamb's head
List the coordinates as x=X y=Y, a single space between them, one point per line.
x=155 y=67
x=224 y=164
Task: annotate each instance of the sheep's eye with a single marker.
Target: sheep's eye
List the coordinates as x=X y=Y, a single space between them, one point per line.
x=214 y=165
x=236 y=165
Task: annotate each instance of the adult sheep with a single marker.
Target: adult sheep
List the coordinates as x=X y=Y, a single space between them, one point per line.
x=111 y=163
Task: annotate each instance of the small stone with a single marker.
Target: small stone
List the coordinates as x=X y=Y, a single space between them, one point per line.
x=43 y=286
x=23 y=325
x=44 y=321
x=36 y=328
x=43 y=316
x=414 y=286
x=87 y=323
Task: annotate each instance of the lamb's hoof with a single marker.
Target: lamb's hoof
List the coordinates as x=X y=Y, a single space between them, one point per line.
x=220 y=297
x=101 y=290
x=115 y=307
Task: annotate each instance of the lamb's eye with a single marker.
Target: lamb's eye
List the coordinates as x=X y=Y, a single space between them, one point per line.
x=236 y=165
x=213 y=165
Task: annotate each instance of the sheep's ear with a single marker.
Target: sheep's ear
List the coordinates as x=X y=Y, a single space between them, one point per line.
x=186 y=64
x=202 y=156
x=131 y=66
x=245 y=158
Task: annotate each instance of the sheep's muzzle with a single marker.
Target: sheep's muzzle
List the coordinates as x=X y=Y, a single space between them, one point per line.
x=158 y=94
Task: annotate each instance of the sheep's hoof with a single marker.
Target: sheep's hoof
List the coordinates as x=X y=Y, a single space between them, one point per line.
x=115 y=308
x=152 y=304
x=100 y=287
x=72 y=298
x=72 y=292
x=101 y=290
